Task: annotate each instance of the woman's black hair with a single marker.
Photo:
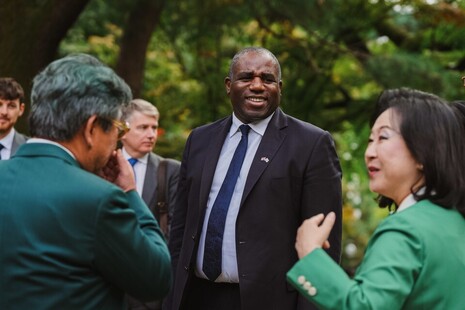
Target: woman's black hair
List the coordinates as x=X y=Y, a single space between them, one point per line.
x=433 y=133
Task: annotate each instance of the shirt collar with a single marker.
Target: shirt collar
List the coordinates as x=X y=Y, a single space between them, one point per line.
x=144 y=159
x=258 y=126
x=409 y=200
x=45 y=141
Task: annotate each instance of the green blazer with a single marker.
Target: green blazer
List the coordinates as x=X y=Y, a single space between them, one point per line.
x=71 y=240
x=414 y=260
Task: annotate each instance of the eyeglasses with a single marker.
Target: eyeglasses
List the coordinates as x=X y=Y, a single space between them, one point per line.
x=123 y=127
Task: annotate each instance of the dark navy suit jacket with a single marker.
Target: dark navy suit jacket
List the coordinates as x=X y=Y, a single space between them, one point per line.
x=295 y=174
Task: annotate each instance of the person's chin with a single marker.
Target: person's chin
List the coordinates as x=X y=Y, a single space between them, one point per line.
x=5 y=126
x=146 y=149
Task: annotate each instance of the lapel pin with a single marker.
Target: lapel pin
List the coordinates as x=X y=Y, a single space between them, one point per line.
x=265 y=159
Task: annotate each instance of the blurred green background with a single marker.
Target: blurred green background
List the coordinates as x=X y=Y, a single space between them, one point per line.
x=336 y=57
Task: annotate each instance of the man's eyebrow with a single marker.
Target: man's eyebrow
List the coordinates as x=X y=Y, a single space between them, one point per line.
x=250 y=73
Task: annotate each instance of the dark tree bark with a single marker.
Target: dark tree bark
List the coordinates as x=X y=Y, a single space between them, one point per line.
x=30 y=33
x=141 y=23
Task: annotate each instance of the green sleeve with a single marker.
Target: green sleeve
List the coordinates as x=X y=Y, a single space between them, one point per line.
x=384 y=279
x=130 y=248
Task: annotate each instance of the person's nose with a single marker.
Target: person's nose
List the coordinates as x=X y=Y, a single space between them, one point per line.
x=257 y=84
x=151 y=132
x=370 y=152
x=3 y=109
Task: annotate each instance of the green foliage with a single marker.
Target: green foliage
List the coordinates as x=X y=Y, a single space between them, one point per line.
x=336 y=57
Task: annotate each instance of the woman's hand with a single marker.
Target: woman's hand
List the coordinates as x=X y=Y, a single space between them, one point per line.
x=312 y=235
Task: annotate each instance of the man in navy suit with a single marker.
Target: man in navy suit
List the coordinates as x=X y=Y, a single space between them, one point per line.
x=290 y=172
x=11 y=108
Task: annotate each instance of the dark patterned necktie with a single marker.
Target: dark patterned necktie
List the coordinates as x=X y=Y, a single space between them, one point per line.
x=215 y=229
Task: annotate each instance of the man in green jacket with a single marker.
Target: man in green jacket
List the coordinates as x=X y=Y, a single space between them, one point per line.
x=69 y=238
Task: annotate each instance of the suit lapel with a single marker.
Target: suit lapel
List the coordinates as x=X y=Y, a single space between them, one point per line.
x=212 y=152
x=272 y=139
x=150 y=181
x=18 y=140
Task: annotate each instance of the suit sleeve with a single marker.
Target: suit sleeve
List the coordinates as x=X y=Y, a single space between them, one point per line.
x=178 y=220
x=384 y=280
x=322 y=191
x=173 y=180
x=130 y=247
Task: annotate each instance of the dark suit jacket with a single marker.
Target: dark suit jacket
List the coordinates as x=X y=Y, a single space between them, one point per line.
x=295 y=174
x=149 y=191
x=18 y=140
x=150 y=197
x=71 y=240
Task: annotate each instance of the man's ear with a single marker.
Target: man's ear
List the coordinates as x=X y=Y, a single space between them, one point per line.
x=227 y=84
x=21 y=108
x=89 y=130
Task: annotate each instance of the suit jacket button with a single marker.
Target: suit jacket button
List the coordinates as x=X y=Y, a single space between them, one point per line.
x=186 y=268
x=193 y=237
x=301 y=280
x=312 y=291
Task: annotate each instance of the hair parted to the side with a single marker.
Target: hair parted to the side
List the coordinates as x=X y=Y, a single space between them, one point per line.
x=141 y=106
x=69 y=91
x=434 y=136
x=10 y=89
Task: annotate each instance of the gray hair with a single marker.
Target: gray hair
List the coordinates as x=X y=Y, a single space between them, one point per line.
x=253 y=49
x=142 y=106
x=69 y=91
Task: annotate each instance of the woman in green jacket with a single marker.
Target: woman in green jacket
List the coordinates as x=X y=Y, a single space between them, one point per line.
x=416 y=257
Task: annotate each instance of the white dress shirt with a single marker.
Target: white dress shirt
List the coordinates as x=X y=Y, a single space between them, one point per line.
x=7 y=143
x=409 y=201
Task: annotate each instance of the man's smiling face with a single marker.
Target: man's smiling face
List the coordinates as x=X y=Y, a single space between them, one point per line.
x=254 y=87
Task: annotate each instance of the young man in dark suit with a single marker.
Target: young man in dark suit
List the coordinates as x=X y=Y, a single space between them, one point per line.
x=11 y=108
x=234 y=225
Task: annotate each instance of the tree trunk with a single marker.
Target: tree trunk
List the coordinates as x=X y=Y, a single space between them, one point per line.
x=30 y=34
x=131 y=61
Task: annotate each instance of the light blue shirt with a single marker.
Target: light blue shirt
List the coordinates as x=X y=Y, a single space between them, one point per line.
x=7 y=143
x=140 y=170
x=229 y=261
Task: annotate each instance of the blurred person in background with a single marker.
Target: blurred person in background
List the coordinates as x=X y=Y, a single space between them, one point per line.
x=11 y=108
x=156 y=177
